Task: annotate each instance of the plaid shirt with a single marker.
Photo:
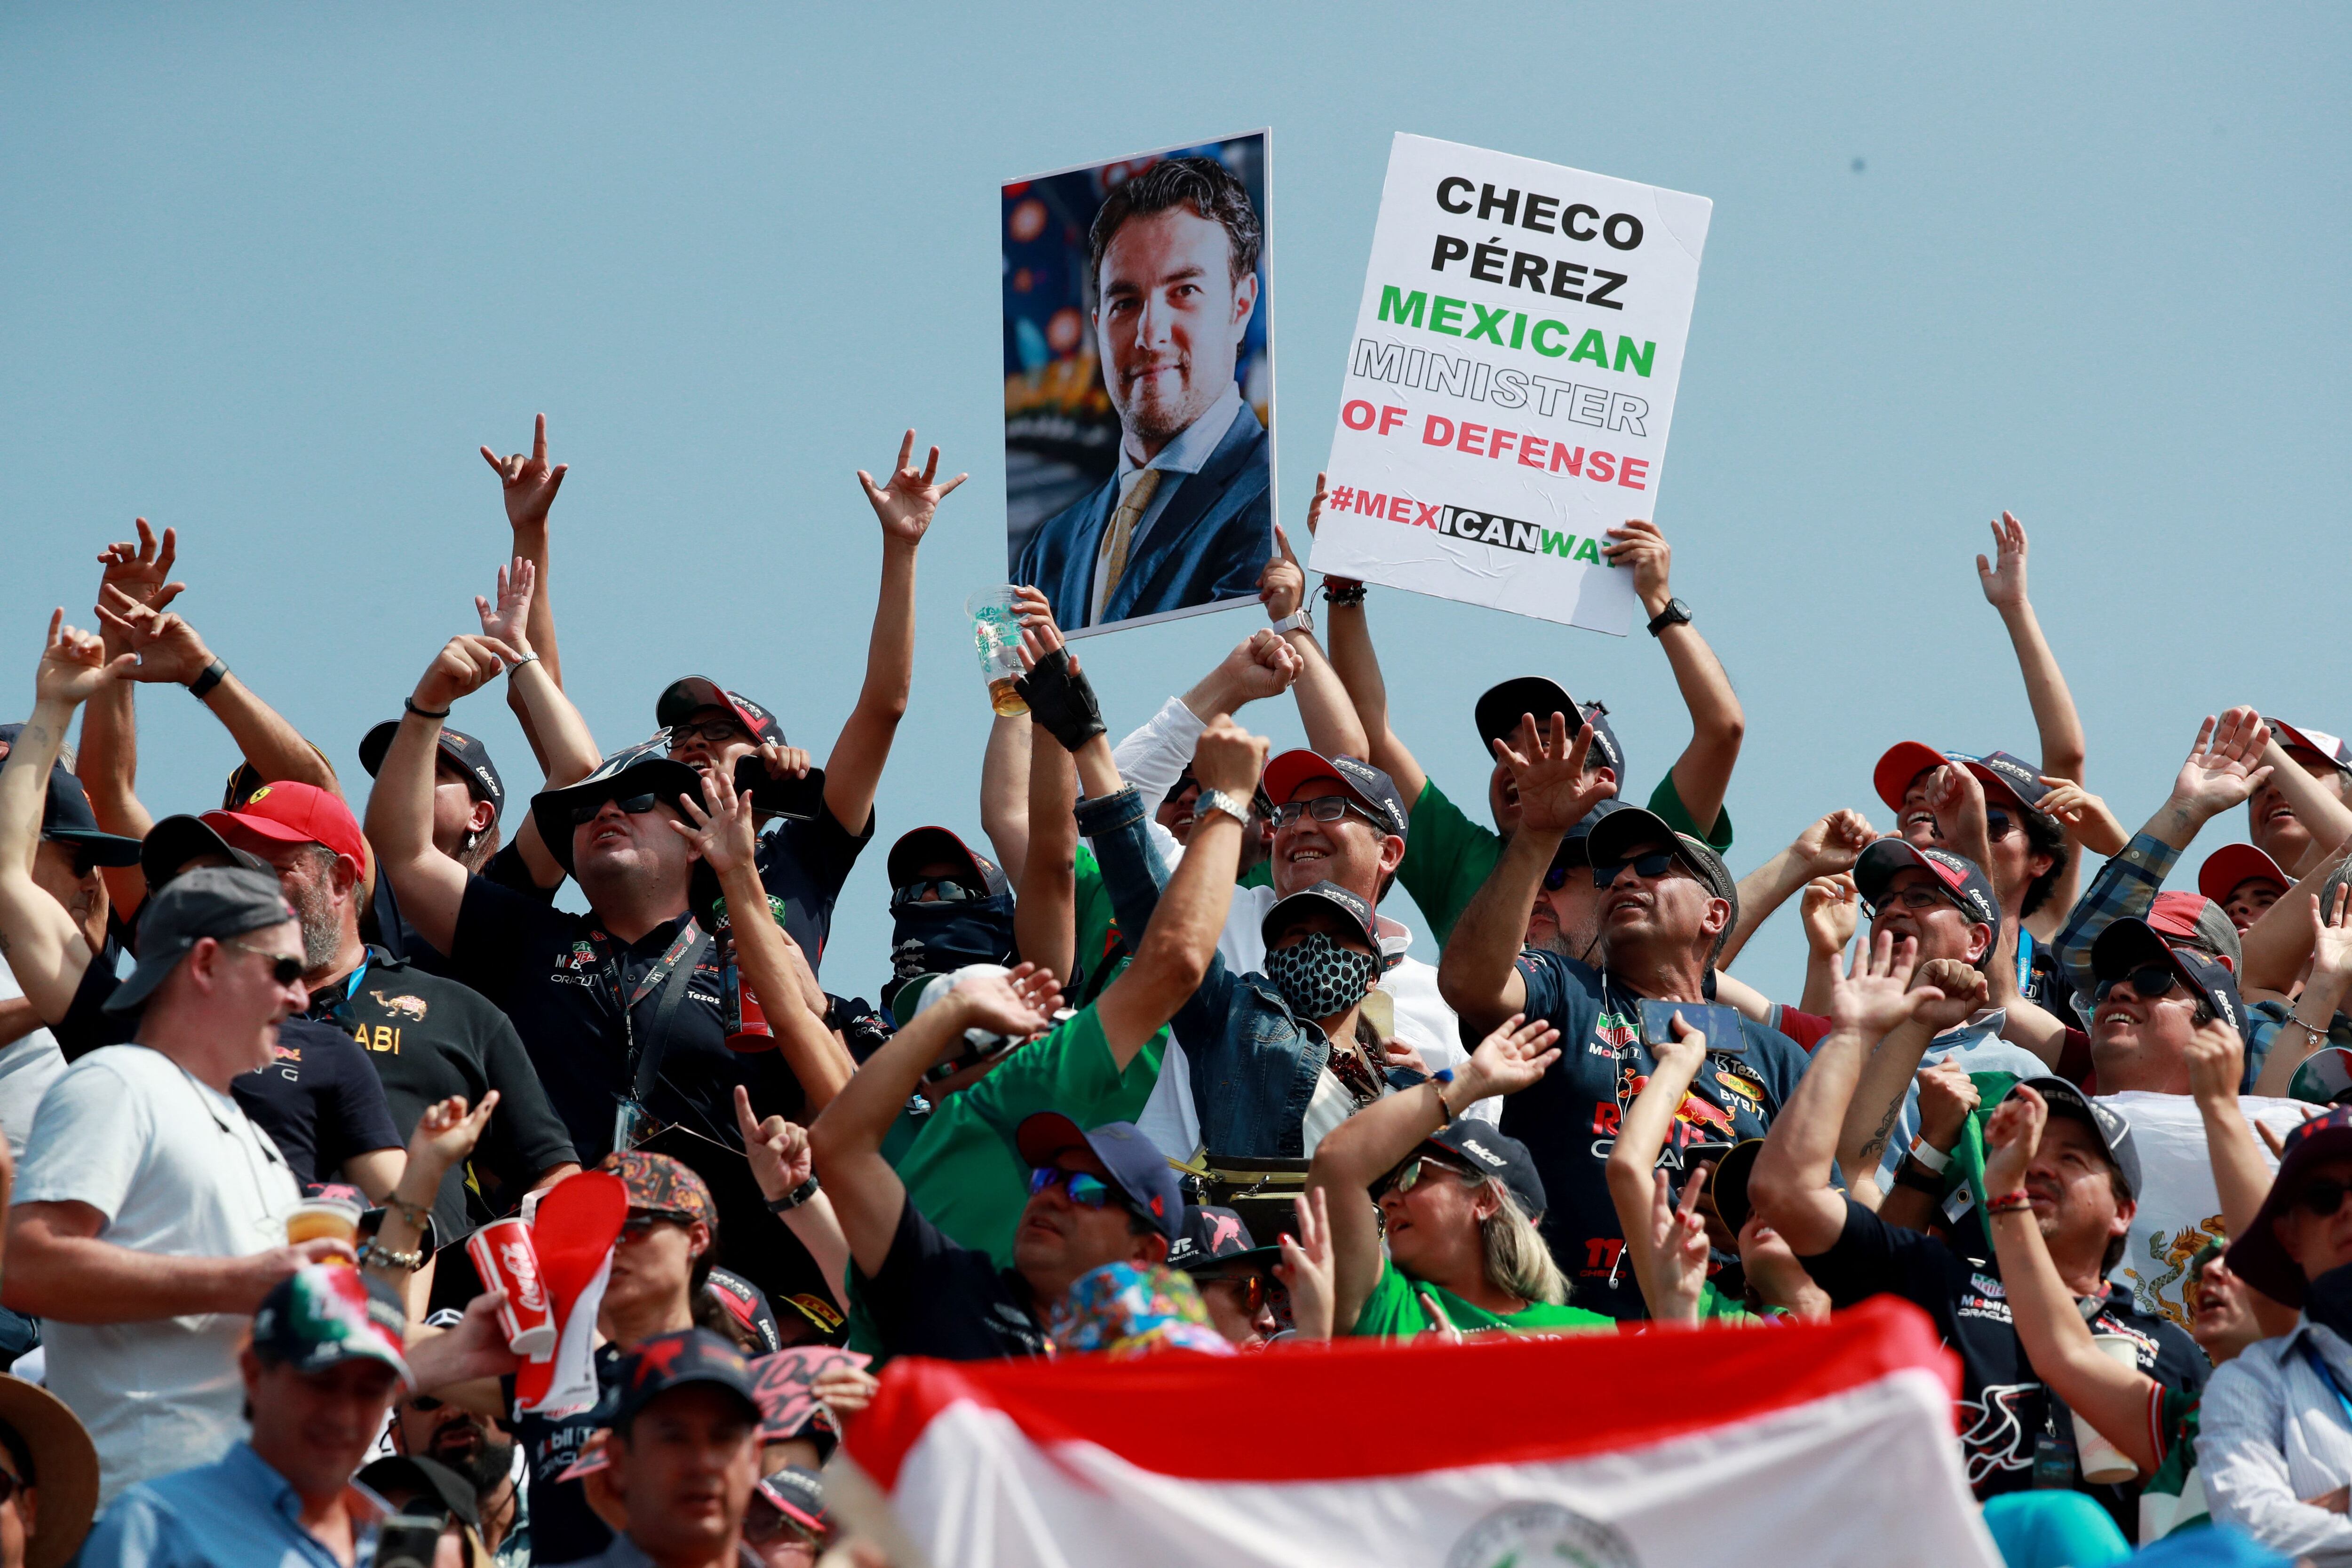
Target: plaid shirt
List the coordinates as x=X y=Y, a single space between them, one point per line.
x=2125 y=888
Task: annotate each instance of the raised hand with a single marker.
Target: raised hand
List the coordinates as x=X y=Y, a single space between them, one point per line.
x=1306 y=1270
x=844 y=1389
x=1678 y=1246
x=1282 y=583
x=2331 y=938
x=168 y=647
x=446 y=1134
x=1314 y=520
x=1515 y=1056
x=2013 y=1133
x=905 y=504
x=1835 y=842
x=1229 y=758
x=529 y=482
x=74 y=665
x=777 y=1149
x=721 y=828
x=2217 y=1062
x=1959 y=992
x=505 y=619
x=1948 y=1095
x=464 y=666
x=2003 y=578
x=141 y=570
x=1555 y=791
x=1640 y=546
x=1263 y=665
x=1002 y=1003
x=2225 y=767
x=2084 y=816
x=1875 y=995
x=1038 y=988
x=1830 y=910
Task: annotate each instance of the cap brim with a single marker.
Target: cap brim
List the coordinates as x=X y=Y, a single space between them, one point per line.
x=920 y=845
x=2127 y=943
x=1500 y=707
x=1621 y=830
x=103 y=849
x=140 y=984
x=226 y=823
x=1904 y=761
x=1730 y=1182
x=172 y=842
x=2258 y=1257
x=67 y=1460
x=2232 y=865
x=1047 y=1133
x=550 y=810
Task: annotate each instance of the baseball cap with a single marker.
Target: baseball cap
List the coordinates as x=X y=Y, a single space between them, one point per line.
x=1216 y=1237
x=799 y=1496
x=680 y=698
x=633 y=769
x=2128 y=943
x=2258 y=1257
x=67 y=818
x=2197 y=920
x=922 y=847
x=2114 y=1132
x=1730 y=1182
x=678 y=1359
x=472 y=758
x=2232 y=864
x=746 y=1304
x=1500 y=708
x=1962 y=880
x=219 y=902
x=414 y=1473
x=172 y=842
x=2328 y=746
x=1619 y=831
x=1139 y=1170
x=287 y=813
x=1575 y=845
x=324 y=1313
x=1286 y=912
x=660 y=1184
x=1478 y=1146
x=2002 y=774
x=1373 y=789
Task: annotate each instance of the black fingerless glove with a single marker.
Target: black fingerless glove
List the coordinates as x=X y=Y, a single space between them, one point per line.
x=1062 y=700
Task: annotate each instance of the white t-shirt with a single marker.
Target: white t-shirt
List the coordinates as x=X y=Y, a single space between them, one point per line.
x=27 y=1067
x=176 y=1169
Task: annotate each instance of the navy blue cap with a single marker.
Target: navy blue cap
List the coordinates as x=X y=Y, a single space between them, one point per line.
x=1215 y=1237
x=677 y=1359
x=66 y=815
x=2114 y=1130
x=470 y=756
x=1500 y=708
x=1608 y=840
x=1140 y=1171
x=919 y=846
x=172 y=842
x=1322 y=895
x=633 y=769
x=1961 y=879
x=1477 y=1146
x=2128 y=943
x=1574 y=846
x=2257 y=1256
x=681 y=698
x=746 y=1304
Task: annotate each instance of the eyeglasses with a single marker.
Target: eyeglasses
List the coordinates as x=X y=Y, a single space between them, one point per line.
x=931 y=891
x=1557 y=878
x=283 y=969
x=764 y=1522
x=2149 y=982
x=1916 y=897
x=630 y=804
x=2321 y=1198
x=1649 y=868
x=1081 y=1188
x=1322 y=808
x=1409 y=1175
x=717 y=731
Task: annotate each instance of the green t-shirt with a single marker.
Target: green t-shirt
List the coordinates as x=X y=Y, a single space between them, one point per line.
x=1447 y=856
x=1097 y=932
x=1393 y=1311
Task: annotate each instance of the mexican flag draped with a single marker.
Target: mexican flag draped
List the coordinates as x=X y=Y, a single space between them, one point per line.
x=1818 y=1445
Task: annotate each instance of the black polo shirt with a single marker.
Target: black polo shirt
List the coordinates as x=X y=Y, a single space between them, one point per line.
x=317 y=1100
x=933 y=1298
x=563 y=1528
x=382 y=925
x=803 y=864
x=428 y=1038
x=2004 y=1410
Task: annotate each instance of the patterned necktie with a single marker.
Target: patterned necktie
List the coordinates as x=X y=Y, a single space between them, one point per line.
x=1135 y=496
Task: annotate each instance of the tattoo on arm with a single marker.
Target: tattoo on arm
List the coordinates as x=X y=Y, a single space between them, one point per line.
x=1875 y=1144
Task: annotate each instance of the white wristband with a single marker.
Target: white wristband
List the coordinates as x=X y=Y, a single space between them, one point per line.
x=1934 y=1158
x=1298 y=620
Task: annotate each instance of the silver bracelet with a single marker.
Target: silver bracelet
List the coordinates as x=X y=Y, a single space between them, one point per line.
x=527 y=658
x=2313 y=1030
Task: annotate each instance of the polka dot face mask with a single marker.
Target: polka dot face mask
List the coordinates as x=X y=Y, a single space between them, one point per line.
x=1318 y=977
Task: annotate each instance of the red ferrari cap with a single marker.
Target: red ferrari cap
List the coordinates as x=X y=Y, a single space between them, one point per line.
x=287 y=813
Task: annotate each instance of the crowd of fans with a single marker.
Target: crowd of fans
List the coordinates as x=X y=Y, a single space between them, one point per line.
x=1153 y=1073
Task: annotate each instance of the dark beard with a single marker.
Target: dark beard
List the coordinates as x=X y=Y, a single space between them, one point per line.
x=485 y=1467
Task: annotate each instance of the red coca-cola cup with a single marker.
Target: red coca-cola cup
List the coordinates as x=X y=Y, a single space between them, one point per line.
x=507 y=1259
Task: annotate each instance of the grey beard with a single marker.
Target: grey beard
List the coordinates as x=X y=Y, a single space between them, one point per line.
x=322 y=932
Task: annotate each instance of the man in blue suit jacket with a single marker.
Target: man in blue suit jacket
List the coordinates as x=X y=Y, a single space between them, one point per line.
x=1188 y=517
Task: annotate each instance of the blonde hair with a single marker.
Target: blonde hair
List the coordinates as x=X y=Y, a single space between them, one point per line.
x=1516 y=1258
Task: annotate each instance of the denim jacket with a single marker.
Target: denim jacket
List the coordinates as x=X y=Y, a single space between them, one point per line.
x=1255 y=1065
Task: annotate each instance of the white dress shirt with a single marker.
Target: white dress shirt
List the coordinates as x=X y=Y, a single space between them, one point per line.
x=2272 y=1431
x=1185 y=454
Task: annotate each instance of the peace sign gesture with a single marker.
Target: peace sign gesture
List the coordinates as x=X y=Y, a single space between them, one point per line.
x=531 y=484
x=905 y=504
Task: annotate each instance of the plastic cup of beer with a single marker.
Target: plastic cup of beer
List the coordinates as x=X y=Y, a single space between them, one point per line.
x=996 y=632
x=2102 y=1463
x=327 y=1219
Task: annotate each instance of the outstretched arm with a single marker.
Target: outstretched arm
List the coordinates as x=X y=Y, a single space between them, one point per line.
x=1358 y=666
x=905 y=508
x=1005 y=795
x=1046 y=914
x=1635 y=1182
x=1828 y=848
x=1333 y=728
x=1703 y=773
x=430 y=885
x=106 y=762
x=559 y=733
x=530 y=484
x=2060 y=727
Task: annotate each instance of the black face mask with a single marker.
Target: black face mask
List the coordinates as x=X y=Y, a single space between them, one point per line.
x=939 y=938
x=2328 y=1300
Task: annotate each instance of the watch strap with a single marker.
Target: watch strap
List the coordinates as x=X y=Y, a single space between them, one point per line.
x=1298 y=620
x=213 y=674
x=796 y=1197
x=1218 y=800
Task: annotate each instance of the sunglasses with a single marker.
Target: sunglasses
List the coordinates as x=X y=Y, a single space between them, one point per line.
x=1409 y=1175
x=1556 y=877
x=931 y=891
x=1649 y=868
x=764 y=1522
x=2321 y=1198
x=1081 y=1188
x=1996 y=824
x=1252 y=1286
x=2149 y=982
x=641 y=1222
x=717 y=731
x=630 y=804
x=283 y=969
x=1322 y=808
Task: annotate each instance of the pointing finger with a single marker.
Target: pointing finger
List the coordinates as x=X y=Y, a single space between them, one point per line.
x=539 y=440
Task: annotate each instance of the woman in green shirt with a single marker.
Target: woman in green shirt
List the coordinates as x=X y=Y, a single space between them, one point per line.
x=1458 y=1200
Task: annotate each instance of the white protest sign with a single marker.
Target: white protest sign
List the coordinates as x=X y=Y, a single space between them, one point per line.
x=1510 y=380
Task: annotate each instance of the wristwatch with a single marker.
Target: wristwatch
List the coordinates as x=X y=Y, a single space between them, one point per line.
x=1675 y=614
x=1298 y=620
x=1210 y=800
x=794 y=1198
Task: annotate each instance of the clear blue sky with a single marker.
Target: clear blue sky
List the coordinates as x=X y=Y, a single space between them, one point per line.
x=271 y=273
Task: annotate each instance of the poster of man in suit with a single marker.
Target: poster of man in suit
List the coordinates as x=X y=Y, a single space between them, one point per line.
x=1139 y=385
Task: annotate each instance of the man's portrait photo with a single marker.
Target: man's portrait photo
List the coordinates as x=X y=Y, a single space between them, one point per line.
x=1139 y=385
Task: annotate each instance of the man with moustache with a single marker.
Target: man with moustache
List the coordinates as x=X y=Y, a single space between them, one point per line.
x=1187 y=518
x=476 y=1445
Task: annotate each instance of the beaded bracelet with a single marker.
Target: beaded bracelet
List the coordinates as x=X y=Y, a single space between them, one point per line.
x=1354 y=595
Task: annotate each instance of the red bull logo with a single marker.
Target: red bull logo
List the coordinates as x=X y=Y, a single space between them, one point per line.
x=1707 y=1114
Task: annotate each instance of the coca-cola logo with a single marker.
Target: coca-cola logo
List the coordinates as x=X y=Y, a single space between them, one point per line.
x=523 y=1269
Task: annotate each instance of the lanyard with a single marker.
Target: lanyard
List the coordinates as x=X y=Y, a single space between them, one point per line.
x=629 y=1117
x=350 y=989
x=2024 y=960
x=2319 y=1365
